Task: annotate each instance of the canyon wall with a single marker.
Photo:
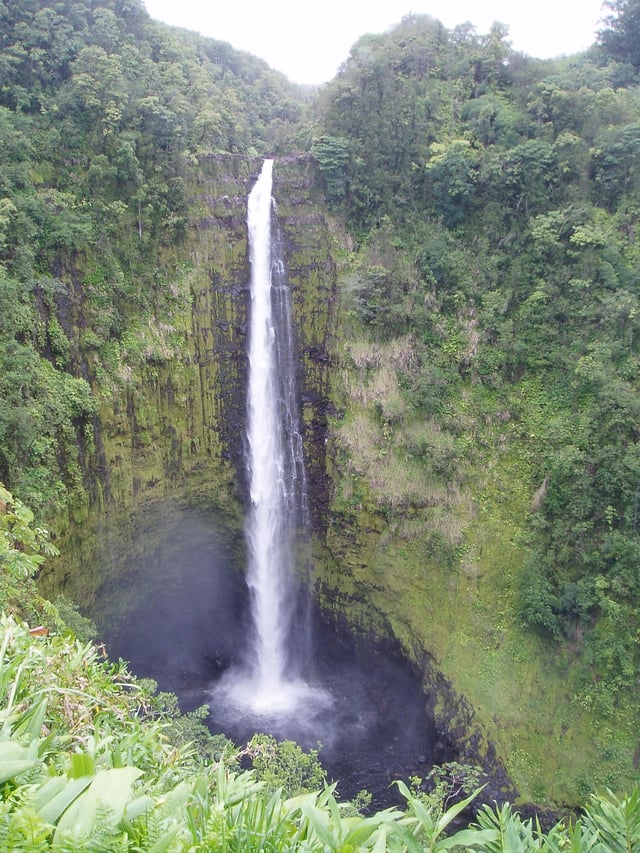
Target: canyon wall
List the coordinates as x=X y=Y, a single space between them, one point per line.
x=170 y=432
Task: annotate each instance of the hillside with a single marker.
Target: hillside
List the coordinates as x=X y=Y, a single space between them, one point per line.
x=460 y=223
x=489 y=440
x=104 y=117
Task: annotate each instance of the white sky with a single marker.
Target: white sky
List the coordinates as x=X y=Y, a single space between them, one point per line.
x=309 y=40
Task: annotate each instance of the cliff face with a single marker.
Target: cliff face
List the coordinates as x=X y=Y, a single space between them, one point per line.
x=171 y=432
x=310 y=247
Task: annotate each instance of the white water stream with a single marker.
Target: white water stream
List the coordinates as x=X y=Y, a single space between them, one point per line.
x=272 y=681
x=272 y=503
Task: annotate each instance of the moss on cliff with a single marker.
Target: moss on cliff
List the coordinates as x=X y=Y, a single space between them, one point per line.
x=170 y=424
x=171 y=391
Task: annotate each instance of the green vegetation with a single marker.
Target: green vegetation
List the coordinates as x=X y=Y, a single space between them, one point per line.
x=84 y=765
x=483 y=449
x=92 y=759
x=103 y=116
x=489 y=442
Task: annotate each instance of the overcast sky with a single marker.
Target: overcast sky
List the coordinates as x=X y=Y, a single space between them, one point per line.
x=309 y=39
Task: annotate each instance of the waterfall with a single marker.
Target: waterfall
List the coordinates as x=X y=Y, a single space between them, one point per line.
x=271 y=680
x=275 y=465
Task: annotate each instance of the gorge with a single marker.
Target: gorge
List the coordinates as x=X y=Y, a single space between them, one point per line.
x=262 y=658
x=457 y=223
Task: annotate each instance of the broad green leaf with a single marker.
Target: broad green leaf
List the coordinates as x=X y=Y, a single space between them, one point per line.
x=296 y=803
x=455 y=810
x=12 y=768
x=424 y=815
x=82 y=764
x=468 y=838
x=16 y=759
x=77 y=823
x=408 y=839
x=30 y=723
x=319 y=820
x=361 y=833
x=110 y=788
x=381 y=841
x=139 y=806
x=165 y=842
x=47 y=791
x=176 y=800
x=11 y=749
x=54 y=798
x=406 y=793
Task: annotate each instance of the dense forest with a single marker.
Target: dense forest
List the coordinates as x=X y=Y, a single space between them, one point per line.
x=493 y=199
x=496 y=199
x=485 y=414
x=103 y=111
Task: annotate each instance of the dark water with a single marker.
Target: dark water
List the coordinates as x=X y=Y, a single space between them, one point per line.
x=180 y=617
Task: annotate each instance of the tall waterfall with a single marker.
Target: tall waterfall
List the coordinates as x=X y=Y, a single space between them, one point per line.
x=271 y=681
x=275 y=464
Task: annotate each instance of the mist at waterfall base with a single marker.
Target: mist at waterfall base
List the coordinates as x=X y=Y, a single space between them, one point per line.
x=180 y=616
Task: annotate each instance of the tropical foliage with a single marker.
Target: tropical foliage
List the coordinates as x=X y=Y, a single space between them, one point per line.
x=491 y=320
x=496 y=204
x=85 y=764
x=103 y=113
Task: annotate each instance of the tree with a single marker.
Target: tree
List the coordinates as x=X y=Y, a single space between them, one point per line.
x=621 y=37
x=452 y=174
x=332 y=156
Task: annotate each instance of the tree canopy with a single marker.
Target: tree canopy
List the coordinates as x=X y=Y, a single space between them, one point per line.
x=496 y=204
